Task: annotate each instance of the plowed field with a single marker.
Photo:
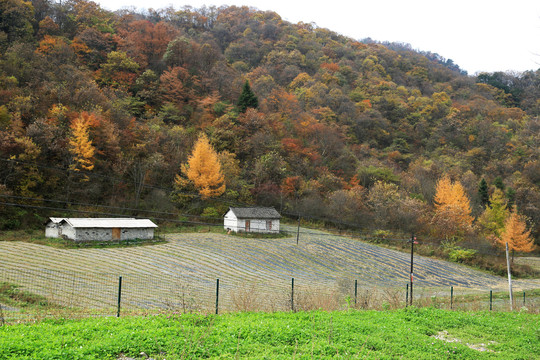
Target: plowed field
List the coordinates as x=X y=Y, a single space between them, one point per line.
x=183 y=271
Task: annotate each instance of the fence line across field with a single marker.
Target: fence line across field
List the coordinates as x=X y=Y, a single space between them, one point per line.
x=110 y=294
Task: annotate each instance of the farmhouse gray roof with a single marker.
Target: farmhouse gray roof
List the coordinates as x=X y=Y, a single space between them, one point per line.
x=255 y=213
x=109 y=223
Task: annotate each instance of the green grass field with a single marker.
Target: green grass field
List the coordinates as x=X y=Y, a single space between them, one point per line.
x=412 y=333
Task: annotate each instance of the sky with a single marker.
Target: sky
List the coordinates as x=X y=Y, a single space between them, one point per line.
x=478 y=35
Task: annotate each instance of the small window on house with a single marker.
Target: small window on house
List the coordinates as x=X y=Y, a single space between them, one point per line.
x=268 y=224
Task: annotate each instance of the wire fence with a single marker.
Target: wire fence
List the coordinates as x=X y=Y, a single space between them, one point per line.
x=32 y=294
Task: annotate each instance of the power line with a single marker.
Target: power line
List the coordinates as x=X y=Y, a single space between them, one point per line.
x=228 y=202
x=224 y=201
x=90 y=174
x=101 y=213
x=118 y=179
x=156 y=218
x=179 y=221
x=351 y=235
x=103 y=206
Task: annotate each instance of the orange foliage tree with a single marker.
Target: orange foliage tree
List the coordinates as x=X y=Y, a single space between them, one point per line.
x=292 y=186
x=452 y=208
x=515 y=233
x=180 y=88
x=204 y=170
x=48 y=44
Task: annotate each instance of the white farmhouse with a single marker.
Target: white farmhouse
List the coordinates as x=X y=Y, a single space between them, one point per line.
x=252 y=219
x=103 y=229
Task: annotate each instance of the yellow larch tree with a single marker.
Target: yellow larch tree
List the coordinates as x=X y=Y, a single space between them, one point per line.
x=494 y=216
x=204 y=170
x=452 y=208
x=80 y=145
x=443 y=191
x=515 y=233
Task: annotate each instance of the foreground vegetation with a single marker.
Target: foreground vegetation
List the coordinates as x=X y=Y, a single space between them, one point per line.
x=415 y=333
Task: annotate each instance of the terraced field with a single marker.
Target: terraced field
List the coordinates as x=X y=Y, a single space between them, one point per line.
x=182 y=273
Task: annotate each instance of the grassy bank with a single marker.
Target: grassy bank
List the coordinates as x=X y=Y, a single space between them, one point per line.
x=414 y=333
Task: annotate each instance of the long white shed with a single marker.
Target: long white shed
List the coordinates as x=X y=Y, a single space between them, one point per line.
x=104 y=229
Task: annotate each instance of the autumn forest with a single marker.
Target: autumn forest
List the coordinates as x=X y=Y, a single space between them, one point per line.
x=180 y=113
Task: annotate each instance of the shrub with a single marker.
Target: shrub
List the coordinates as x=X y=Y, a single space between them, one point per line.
x=461 y=255
x=210 y=212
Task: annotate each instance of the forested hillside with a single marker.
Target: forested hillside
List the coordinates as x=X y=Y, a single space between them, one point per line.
x=104 y=108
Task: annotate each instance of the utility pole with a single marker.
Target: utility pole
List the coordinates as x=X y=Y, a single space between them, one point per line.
x=413 y=241
x=298 y=230
x=509 y=279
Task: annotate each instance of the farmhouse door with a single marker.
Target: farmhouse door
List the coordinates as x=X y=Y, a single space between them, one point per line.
x=248 y=225
x=116 y=233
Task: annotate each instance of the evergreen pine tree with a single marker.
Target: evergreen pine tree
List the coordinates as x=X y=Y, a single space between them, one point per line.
x=511 y=196
x=498 y=182
x=483 y=192
x=247 y=98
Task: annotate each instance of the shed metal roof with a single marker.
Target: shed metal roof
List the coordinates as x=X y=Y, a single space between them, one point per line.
x=255 y=213
x=109 y=223
x=55 y=220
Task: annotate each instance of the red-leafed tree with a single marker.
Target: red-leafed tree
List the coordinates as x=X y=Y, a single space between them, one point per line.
x=144 y=41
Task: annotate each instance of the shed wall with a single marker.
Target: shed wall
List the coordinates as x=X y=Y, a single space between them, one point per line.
x=93 y=234
x=65 y=230
x=230 y=222
x=137 y=233
x=263 y=226
x=51 y=231
x=257 y=226
x=106 y=234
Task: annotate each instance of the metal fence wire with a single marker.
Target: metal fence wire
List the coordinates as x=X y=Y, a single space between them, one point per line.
x=103 y=294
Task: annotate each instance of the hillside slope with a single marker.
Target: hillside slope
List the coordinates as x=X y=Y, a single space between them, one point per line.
x=103 y=108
